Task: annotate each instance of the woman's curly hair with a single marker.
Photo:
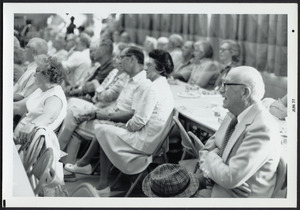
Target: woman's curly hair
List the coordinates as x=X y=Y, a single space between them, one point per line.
x=52 y=68
x=163 y=61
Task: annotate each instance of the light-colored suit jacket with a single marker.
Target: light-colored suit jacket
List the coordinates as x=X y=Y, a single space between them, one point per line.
x=251 y=155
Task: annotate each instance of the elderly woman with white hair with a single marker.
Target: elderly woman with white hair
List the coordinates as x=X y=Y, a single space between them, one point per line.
x=175 y=45
x=150 y=44
x=162 y=43
x=229 y=55
x=26 y=83
x=47 y=105
x=205 y=70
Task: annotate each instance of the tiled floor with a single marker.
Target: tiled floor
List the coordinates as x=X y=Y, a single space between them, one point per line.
x=119 y=189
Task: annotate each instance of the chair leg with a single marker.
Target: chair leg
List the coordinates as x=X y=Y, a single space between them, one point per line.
x=183 y=154
x=134 y=184
x=116 y=180
x=96 y=167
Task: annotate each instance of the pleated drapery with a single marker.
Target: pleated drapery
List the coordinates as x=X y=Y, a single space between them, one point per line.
x=262 y=37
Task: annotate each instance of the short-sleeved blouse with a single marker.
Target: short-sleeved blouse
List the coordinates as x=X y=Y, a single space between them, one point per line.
x=36 y=107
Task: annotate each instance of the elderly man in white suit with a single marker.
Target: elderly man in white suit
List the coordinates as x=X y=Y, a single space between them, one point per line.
x=245 y=165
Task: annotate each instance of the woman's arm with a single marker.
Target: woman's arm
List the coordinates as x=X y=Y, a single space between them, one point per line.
x=53 y=106
x=20 y=107
x=207 y=74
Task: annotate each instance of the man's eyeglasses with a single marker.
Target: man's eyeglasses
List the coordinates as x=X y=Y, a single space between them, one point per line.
x=126 y=55
x=224 y=84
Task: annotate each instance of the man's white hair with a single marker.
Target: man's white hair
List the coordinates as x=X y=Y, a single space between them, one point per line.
x=252 y=78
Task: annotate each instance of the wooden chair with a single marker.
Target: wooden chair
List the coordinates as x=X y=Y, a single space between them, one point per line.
x=281 y=181
x=84 y=190
x=41 y=172
x=161 y=149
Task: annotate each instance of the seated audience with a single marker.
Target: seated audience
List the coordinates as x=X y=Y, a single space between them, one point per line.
x=149 y=45
x=184 y=69
x=116 y=42
x=59 y=44
x=229 y=56
x=79 y=109
x=128 y=146
x=174 y=47
x=205 y=70
x=277 y=108
x=47 y=105
x=132 y=61
x=163 y=43
x=26 y=84
x=103 y=55
x=125 y=38
x=243 y=155
x=77 y=64
x=19 y=58
x=70 y=43
x=16 y=42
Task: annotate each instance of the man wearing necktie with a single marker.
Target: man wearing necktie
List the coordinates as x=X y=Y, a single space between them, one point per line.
x=241 y=158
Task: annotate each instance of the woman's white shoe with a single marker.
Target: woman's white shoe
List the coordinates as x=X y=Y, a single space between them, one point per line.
x=79 y=169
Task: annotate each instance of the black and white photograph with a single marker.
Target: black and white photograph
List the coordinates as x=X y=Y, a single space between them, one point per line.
x=150 y=105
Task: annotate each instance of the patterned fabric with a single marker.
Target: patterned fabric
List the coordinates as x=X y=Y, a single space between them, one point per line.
x=170 y=180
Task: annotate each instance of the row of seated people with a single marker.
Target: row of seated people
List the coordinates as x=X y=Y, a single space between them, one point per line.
x=136 y=112
x=193 y=61
x=138 y=103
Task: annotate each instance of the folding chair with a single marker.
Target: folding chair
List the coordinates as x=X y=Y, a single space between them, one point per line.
x=197 y=142
x=189 y=146
x=32 y=149
x=162 y=148
x=84 y=190
x=41 y=172
x=281 y=181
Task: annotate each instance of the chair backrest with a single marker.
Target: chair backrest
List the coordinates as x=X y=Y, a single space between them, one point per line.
x=163 y=146
x=185 y=139
x=42 y=171
x=84 y=190
x=281 y=177
x=197 y=142
x=33 y=150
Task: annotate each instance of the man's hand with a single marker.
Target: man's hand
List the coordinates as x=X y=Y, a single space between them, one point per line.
x=80 y=118
x=101 y=115
x=242 y=191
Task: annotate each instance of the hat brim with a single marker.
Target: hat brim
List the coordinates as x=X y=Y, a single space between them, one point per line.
x=190 y=190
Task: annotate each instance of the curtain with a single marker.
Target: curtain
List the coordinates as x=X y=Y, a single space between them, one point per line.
x=262 y=37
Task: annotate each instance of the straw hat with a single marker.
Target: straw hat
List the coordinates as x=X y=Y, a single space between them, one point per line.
x=170 y=180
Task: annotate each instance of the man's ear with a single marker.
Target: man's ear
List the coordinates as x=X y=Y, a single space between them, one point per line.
x=247 y=92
